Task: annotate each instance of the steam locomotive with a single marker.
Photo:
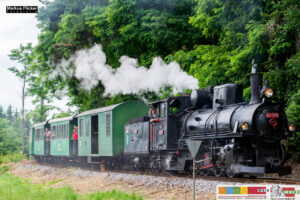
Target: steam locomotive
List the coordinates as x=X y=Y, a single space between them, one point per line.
x=236 y=137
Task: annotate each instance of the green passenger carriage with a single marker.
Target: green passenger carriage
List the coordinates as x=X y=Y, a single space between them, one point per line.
x=101 y=131
x=37 y=143
x=61 y=134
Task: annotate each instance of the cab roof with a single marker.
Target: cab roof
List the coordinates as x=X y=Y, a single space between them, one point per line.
x=170 y=99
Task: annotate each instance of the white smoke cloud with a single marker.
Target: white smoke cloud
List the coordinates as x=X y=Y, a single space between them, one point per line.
x=129 y=78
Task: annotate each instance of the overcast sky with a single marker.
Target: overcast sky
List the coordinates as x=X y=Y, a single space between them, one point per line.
x=15 y=29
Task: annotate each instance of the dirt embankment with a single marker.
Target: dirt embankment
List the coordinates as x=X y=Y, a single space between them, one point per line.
x=85 y=181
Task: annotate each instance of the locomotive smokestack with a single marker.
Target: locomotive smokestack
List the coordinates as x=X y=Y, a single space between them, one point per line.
x=256 y=84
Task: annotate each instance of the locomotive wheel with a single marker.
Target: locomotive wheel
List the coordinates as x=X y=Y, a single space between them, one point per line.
x=155 y=167
x=205 y=172
x=217 y=169
x=218 y=172
x=205 y=155
x=230 y=173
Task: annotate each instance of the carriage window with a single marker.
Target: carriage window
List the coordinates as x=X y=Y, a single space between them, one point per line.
x=162 y=110
x=81 y=127
x=37 y=134
x=107 y=124
x=61 y=131
x=87 y=127
x=64 y=132
x=53 y=132
x=41 y=134
x=67 y=131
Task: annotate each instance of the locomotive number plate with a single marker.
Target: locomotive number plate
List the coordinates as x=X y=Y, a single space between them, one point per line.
x=272 y=115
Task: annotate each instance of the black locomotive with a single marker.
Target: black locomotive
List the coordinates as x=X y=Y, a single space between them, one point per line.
x=237 y=137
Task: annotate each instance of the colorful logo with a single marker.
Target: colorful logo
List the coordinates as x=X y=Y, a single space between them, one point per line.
x=282 y=192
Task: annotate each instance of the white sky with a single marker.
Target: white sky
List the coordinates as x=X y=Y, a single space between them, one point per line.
x=16 y=28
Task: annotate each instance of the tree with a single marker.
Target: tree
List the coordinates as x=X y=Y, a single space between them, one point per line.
x=9 y=139
x=9 y=114
x=42 y=97
x=2 y=114
x=24 y=55
x=62 y=115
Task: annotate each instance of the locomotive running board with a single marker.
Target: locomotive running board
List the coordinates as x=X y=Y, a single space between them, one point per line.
x=243 y=169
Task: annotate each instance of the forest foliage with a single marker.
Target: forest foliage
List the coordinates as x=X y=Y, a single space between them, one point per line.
x=10 y=133
x=213 y=40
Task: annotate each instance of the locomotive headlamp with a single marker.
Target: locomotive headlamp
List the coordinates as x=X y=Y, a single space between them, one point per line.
x=268 y=92
x=292 y=127
x=244 y=126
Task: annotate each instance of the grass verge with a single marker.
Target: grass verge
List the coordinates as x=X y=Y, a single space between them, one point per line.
x=14 y=188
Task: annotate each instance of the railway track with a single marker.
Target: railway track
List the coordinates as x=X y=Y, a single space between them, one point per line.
x=246 y=180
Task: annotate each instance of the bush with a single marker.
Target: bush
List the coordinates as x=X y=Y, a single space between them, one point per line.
x=15 y=157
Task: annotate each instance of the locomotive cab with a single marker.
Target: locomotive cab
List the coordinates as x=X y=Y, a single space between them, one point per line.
x=165 y=125
x=153 y=140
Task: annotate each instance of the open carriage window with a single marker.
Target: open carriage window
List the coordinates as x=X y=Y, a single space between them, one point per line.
x=53 y=134
x=81 y=127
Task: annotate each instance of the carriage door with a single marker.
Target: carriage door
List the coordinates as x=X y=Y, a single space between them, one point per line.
x=84 y=143
x=94 y=135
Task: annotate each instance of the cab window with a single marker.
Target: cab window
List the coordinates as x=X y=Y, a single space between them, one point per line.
x=174 y=107
x=162 y=110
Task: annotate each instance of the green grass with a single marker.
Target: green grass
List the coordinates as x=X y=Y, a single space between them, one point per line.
x=14 y=188
x=115 y=195
x=53 y=182
x=4 y=169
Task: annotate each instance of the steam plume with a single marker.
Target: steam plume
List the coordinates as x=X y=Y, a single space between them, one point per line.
x=129 y=78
